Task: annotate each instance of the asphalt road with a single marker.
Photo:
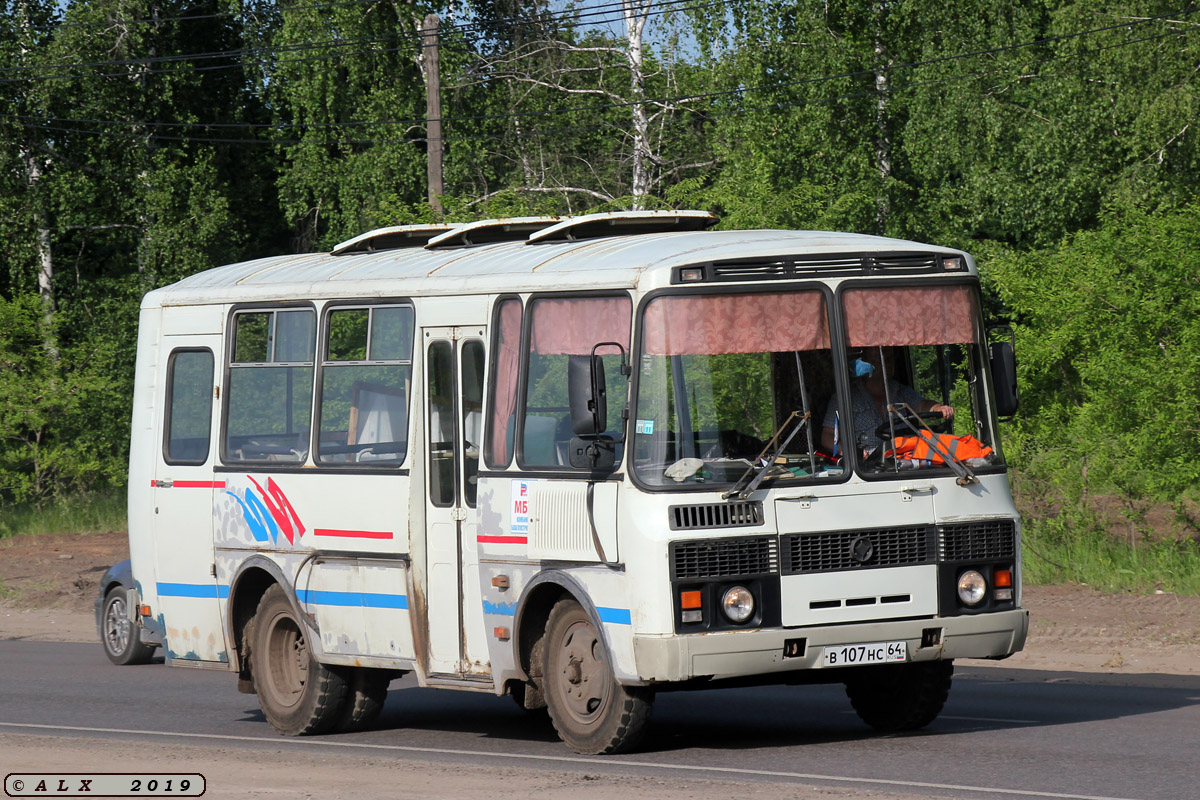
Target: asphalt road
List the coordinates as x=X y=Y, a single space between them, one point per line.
x=1004 y=733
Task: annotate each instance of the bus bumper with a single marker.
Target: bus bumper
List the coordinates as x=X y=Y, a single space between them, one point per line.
x=758 y=652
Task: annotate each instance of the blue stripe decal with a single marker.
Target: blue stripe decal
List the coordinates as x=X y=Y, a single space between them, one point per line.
x=352 y=599
x=203 y=590
x=617 y=616
x=503 y=609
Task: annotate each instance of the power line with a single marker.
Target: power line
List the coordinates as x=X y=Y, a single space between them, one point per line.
x=773 y=107
x=665 y=7
x=327 y=44
x=741 y=91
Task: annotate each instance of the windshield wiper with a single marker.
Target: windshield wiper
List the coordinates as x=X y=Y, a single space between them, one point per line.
x=741 y=492
x=906 y=414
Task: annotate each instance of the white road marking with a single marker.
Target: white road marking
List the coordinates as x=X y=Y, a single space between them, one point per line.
x=590 y=762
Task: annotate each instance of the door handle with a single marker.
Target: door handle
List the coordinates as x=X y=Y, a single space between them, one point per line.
x=906 y=492
x=805 y=500
x=164 y=484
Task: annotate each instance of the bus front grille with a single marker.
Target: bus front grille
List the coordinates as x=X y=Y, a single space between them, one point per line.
x=831 y=551
x=977 y=541
x=724 y=558
x=716 y=515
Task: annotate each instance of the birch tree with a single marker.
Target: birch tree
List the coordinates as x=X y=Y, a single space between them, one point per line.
x=618 y=132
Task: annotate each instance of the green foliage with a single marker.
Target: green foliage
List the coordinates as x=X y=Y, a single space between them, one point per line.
x=1109 y=355
x=93 y=512
x=1075 y=549
x=1053 y=139
x=45 y=412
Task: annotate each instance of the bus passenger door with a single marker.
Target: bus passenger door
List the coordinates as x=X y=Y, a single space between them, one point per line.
x=454 y=371
x=183 y=486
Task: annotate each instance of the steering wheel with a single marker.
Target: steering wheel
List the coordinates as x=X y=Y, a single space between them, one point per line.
x=937 y=423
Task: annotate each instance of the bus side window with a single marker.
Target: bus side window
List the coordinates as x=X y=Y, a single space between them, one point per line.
x=268 y=416
x=562 y=327
x=366 y=370
x=506 y=355
x=189 y=407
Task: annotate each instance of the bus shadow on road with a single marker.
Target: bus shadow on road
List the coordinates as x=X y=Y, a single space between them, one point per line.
x=983 y=699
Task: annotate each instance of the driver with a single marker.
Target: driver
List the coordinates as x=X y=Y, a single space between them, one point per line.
x=868 y=401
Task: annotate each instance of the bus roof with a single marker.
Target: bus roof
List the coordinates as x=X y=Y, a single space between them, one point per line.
x=623 y=261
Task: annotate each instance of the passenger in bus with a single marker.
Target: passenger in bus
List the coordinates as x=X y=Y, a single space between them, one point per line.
x=868 y=401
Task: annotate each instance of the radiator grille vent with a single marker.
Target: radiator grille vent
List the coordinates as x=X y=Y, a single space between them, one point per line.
x=862 y=549
x=724 y=558
x=975 y=541
x=917 y=262
x=715 y=515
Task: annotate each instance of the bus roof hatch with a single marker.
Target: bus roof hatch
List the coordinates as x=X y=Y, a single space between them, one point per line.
x=624 y=223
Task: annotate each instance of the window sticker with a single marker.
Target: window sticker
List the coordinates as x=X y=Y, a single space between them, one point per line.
x=520 y=508
x=644 y=426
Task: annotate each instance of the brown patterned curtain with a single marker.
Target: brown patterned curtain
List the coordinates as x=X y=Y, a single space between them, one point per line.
x=736 y=323
x=572 y=326
x=505 y=399
x=910 y=315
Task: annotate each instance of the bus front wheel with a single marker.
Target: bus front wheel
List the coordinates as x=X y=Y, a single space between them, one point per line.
x=298 y=695
x=592 y=713
x=901 y=697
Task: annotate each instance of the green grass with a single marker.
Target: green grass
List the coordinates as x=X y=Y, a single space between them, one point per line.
x=1058 y=550
x=91 y=513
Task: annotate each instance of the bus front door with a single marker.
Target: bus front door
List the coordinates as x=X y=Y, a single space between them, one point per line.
x=454 y=370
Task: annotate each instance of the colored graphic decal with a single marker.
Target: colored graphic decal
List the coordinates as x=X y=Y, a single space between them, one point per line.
x=519 y=525
x=268 y=513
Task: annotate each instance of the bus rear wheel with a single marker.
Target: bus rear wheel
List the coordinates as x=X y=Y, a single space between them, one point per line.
x=592 y=713
x=298 y=695
x=366 y=691
x=902 y=697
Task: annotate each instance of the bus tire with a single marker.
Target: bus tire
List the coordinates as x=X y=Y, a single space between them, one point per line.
x=366 y=691
x=298 y=695
x=903 y=697
x=118 y=634
x=592 y=713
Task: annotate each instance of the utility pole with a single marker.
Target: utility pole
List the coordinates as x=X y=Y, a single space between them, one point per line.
x=433 y=111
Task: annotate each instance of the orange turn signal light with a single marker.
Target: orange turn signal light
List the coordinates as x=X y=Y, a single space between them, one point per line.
x=1002 y=578
x=690 y=599
x=501 y=633
x=144 y=610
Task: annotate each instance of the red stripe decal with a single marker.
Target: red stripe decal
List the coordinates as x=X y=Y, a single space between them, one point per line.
x=353 y=534
x=190 y=485
x=502 y=539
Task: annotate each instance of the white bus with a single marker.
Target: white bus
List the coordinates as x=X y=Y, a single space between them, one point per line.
x=578 y=461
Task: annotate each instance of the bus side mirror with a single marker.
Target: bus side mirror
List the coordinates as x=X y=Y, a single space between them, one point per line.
x=1002 y=356
x=588 y=395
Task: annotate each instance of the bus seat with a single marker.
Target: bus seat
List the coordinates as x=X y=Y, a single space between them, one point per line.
x=540 y=447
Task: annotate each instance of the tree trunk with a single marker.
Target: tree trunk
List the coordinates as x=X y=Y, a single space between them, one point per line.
x=635 y=24
x=883 y=140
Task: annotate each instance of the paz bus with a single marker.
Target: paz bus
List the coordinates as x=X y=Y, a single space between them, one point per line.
x=578 y=461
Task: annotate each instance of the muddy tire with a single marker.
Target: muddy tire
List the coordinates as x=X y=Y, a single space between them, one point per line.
x=900 y=698
x=298 y=695
x=118 y=634
x=366 y=691
x=592 y=713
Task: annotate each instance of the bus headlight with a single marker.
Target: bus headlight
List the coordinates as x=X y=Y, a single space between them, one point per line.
x=971 y=587
x=738 y=604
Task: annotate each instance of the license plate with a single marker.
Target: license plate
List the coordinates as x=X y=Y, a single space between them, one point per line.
x=852 y=655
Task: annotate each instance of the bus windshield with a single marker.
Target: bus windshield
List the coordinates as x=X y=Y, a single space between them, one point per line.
x=726 y=380
x=737 y=382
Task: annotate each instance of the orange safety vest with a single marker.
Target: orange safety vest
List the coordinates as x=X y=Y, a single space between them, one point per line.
x=919 y=448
